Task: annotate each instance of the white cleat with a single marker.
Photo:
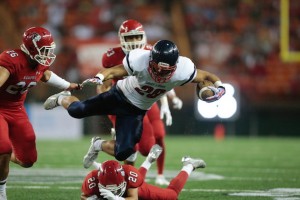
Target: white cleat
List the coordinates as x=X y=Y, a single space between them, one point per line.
x=161 y=180
x=91 y=155
x=197 y=163
x=51 y=102
x=154 y=153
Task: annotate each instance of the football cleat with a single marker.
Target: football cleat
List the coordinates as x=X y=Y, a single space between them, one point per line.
x=161 y=180
x=51 y=102
x=154 y=153
x=197 y=163
x=91 y=155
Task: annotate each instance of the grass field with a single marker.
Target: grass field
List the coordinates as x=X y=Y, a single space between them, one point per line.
x=237 y=168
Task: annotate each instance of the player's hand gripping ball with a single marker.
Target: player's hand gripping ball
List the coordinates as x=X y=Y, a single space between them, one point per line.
x=204 y=91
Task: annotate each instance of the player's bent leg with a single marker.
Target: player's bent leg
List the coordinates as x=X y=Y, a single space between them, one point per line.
x=148 y=191
x=129 y=130
x=4 y=165
x=24 y=146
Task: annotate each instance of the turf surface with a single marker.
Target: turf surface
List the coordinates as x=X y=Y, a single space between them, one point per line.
x=237 y=168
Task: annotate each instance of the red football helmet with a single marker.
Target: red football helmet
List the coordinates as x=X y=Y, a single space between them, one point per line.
x=38 y=43
x=132 y=28
x=163 y=61
x=111 y=176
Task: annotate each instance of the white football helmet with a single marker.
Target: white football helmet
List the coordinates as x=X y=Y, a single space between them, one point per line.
x=132 y=28
x=38 y=43
x=111 y=177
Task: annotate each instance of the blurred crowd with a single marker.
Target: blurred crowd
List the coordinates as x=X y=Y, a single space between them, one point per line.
x=240 y=39
x=236 y=39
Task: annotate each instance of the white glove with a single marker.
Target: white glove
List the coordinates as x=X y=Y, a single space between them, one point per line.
x=107 y=194
x=92 y=81
x=177 y=103
x=94 y=197
x=165 y=111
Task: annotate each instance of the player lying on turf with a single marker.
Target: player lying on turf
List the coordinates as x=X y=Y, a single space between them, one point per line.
x=114 y=181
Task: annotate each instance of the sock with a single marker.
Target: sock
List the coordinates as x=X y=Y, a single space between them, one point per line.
x=98 y=144
x=97 y=165
x=3 y=186
x=146 y=164
x=59 y=99
x=188 y=169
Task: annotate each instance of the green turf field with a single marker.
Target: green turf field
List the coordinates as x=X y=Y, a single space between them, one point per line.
x=237 y=168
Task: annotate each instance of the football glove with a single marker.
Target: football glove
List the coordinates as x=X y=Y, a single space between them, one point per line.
x=165 y=111
x=109 y=195
x=219 y=92
x=177 y=103
x=94 y=197
x=92 y=81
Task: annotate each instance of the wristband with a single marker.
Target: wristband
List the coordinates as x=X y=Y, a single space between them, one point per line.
x=58 y=82
x=218 y=84
x=100 y=76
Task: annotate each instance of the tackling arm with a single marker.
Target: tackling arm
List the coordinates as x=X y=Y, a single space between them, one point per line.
x=117 y=71
x=104 y=87
x=4 y=74
x=52 y=79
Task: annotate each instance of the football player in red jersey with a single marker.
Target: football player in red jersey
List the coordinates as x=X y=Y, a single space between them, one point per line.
x=113 y=181
x=21 y=69
x=133 y=36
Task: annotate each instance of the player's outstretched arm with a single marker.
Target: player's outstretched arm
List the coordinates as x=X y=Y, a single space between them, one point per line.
x=117 y=71
x=52 y=79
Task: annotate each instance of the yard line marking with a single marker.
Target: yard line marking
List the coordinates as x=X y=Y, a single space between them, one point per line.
x=76 y=175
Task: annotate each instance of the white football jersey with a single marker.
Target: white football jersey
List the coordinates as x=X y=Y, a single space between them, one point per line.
x=140 y=89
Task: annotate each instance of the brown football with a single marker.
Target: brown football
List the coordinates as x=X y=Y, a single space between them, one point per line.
x=205 y=93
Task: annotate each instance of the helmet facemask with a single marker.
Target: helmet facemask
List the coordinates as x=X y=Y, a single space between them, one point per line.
x=127 y=46
x=161 y=72
x=117 y=190
x=111 y=176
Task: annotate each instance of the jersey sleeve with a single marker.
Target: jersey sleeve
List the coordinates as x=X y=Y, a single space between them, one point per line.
x=136 y=60
x=187 y=70
x=112 y=57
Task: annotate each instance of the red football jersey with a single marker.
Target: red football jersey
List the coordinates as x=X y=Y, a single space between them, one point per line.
x=21 y=78
x=132 y=176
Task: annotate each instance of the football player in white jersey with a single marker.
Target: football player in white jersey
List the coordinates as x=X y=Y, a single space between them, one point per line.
x=151 y=73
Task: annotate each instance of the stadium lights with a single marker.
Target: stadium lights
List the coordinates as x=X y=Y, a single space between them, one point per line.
x=227 y=108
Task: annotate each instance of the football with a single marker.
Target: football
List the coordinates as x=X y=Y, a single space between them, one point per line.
x=201 y=89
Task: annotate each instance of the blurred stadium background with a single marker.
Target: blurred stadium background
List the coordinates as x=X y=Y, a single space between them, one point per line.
x=253 y=45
